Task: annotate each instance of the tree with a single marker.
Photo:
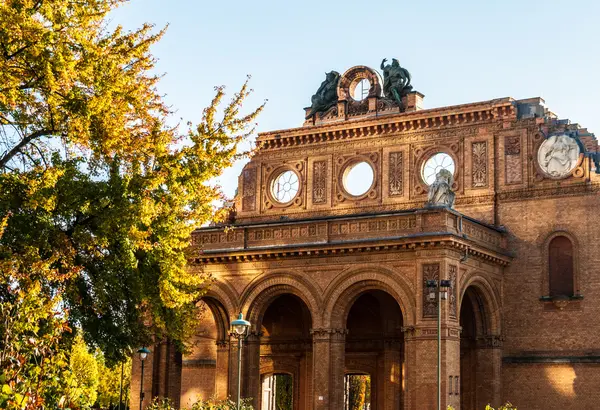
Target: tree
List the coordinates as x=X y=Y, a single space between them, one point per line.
x=85 y=372
x=96 y=186
x=110 y=380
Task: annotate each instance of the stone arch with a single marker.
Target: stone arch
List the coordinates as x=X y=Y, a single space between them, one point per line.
x=341 y=293
x=264 y=289
x=489 y=299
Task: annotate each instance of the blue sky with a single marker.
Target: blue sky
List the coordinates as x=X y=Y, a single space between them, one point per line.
x=457 y=51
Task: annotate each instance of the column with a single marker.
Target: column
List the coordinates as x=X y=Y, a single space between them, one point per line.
x=328 y=356
x=488 y=371
x=222 y=370
x=421 y=366
x=392 y=375
x=251 y=387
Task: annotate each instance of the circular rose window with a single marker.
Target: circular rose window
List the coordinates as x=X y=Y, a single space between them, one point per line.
x=434 y=165
x=358 y=178
x=285 y=186
x=361 y=90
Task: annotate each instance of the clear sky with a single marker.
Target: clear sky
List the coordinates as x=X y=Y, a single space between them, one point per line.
x=456 y=51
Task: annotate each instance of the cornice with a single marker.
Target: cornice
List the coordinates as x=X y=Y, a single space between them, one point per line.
x=427 y=241
x=431 y=119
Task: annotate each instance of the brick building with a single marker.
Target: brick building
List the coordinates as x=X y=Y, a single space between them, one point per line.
x=332 y=245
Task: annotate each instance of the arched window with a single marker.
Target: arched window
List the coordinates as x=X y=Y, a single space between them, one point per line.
x=560 y=264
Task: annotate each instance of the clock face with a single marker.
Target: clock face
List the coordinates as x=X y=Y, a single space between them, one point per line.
x=558 y=156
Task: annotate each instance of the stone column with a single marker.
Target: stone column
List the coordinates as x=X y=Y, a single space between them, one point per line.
x=329 y=354
x=222 y=370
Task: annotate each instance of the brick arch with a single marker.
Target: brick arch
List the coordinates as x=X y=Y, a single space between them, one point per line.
x=222 y=292
x=543 y=242
x=489 y=296
x=344 y=291
x=264 y=289
x=221 y=316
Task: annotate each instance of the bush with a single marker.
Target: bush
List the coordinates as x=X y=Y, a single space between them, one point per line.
x=165 y=404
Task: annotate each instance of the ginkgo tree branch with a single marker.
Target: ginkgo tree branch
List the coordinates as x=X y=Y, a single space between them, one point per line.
x=17 y=148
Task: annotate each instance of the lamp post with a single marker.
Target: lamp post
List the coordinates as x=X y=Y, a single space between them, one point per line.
x=441 y=288
x=239 y=329
x=143 y=352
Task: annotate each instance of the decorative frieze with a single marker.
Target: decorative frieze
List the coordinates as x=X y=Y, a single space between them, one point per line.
x=431 y=271
x=319 y=190
x=395 y=174
x=479 y=177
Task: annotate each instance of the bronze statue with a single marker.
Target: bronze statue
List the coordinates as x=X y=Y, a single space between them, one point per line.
x=326 y=95
x=440 y=191
x=396 y=81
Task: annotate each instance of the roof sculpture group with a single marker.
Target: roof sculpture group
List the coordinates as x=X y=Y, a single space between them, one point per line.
x=396 y=84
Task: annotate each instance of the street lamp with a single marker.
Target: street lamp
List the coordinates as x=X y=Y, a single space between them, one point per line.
x=143 y=352
x=441 y=288
x=239 y=329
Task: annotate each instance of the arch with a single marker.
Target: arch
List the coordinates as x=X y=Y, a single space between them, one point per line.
x=342 y=293
x=222 y=292
x=544 y=242
x=265 y=288
x=489 y=298
x=220 y=315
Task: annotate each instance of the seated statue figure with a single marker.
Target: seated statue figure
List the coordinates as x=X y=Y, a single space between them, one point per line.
x=440 y=192
x=326 y=95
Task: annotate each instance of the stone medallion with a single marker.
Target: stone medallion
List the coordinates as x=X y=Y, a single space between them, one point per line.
x=558 y=156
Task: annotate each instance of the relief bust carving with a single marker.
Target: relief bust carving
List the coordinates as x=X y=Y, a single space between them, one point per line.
x=558 y=155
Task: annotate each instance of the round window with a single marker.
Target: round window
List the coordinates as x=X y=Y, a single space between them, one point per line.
x=285 y=186
x=361 y=90
x=434 y=165
x=358 y=178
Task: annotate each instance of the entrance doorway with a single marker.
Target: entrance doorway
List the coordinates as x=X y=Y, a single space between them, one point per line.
x=357 y=392
x=277 y=392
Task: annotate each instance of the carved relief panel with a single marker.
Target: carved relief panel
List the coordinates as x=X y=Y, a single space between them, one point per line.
x=431 y=271
x=249 y=189
x=453 y=291
x=395 y=174
x=513 y=165
x=319 y=182
x=557 y=157
x=479 y=164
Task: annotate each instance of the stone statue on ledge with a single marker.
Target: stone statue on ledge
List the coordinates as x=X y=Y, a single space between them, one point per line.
x=396 y=81
x=440 y=191
x=326 y=95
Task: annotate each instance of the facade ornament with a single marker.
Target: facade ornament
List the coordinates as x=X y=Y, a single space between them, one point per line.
x=326 y=96
x=558 y=155
x=440 y=191
x=396 y=81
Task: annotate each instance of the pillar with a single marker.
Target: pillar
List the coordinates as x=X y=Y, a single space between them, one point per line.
x=329 y=354
x=222 y=370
